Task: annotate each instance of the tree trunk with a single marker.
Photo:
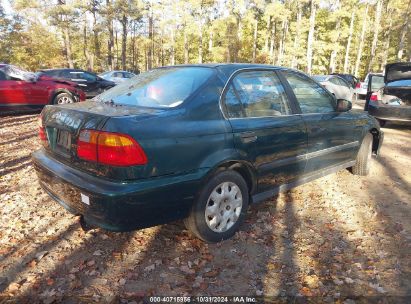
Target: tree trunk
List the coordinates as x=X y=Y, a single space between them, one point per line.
x=387 y=38
x=267 y=36
x=361 y=44
x=186 y=59
x=404 y=30
x=172 y=49
x=296 y=43
x=347 y=51
x=200 y=43
x=335 y=44
x=376 y=32
x=124 y=24
x=67 y=45
x=96 y=39
x=150 y=38
x=110 y=42
x=310 y=39
x=272 y=43
x=210 y=41
x=284 y=30
x=255 y=39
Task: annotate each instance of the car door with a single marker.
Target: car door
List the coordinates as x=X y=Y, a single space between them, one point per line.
x=86 y=81
x=12 y=91
x=265 y=130
x=332 y=136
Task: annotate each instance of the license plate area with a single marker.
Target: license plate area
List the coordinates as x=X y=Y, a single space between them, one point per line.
x=63 y=141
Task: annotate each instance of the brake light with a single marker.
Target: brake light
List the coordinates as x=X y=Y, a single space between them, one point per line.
x=374 y=97
x=358 y=85
x=42 y=130
x=110 y=148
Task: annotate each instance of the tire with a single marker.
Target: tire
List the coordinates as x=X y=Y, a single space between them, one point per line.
x=63 y=98
x=206 y=222
x=382 y=122
x=363 y=161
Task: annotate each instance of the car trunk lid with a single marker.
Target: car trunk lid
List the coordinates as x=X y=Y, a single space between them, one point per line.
x=397 y=71
x=63 y=125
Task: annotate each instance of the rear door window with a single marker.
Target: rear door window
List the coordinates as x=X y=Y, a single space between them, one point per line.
x=311 y=97
x=256 y=94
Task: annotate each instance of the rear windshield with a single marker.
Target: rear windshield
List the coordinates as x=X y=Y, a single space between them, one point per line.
x=159 y=88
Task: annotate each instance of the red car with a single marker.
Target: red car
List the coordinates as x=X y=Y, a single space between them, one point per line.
x=22 y=90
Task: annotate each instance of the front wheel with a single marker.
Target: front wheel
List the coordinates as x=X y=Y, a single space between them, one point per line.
x=363 y=161
x=63 y=98
x=220 y=207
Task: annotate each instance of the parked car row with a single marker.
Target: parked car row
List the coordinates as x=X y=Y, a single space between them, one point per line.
x=21 y=90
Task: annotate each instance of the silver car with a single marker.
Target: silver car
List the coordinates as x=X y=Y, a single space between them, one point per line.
x=117 y=76
x=340 y=88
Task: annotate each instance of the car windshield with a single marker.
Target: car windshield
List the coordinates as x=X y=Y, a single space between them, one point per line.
x=159 y=88
x=377 y=83
x=320 y=78
x=400 y=83
x=17 y=73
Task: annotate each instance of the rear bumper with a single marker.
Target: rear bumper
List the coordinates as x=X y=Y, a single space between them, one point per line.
x=386 y=112
x=117 y=206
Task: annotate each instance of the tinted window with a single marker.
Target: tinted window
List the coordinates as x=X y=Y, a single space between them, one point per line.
x=82 y=75
x=127 y=75
x=167 y=87
x=118 y=74
x=233 y=104
x=311 y=96
x=260 y=94
x=342 y=82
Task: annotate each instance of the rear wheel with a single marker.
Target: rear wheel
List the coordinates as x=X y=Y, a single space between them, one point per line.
x=63 y=98
x=220 y=207
x=363 y=161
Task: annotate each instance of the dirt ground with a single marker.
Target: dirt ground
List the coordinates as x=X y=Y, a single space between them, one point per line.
x=342 y=238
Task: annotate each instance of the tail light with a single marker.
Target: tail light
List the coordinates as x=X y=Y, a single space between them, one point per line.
x=358 y=85
x=374 y=97
x=42 y=130
x=109 y=148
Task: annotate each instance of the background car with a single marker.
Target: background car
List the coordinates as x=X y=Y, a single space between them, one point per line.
x=23 y=90
x=89 y=82
x=116 y=76
x=336 y=85
x=169 y=144
x=389 y=96
x=351 y=79
x=362 y=87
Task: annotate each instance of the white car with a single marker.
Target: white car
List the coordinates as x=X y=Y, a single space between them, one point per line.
x=117 y=76
x=340 y=88
x=361 y=88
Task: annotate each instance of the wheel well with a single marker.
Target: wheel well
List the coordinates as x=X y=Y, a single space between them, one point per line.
x=57 y=92
x=243 y=169
x=375 y=140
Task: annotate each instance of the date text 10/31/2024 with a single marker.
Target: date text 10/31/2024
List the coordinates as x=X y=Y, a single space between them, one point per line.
x=202 y=299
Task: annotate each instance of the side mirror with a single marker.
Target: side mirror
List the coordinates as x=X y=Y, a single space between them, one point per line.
x=343 y=105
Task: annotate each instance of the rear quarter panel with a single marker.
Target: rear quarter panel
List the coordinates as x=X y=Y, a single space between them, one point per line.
x=177 y=141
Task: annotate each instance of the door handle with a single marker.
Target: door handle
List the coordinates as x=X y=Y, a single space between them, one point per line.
x=248 y=137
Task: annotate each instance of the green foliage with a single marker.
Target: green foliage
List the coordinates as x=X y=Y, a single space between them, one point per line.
x=51 y=33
